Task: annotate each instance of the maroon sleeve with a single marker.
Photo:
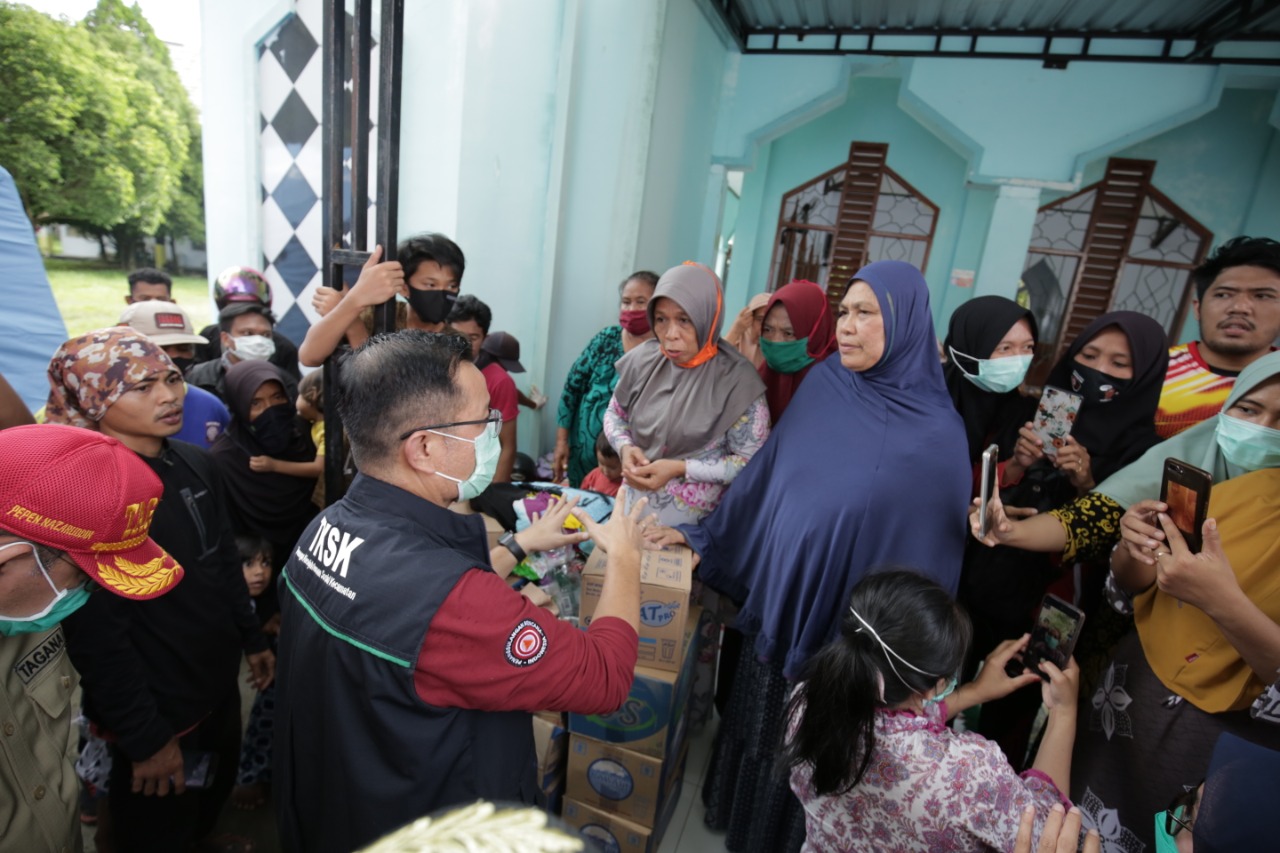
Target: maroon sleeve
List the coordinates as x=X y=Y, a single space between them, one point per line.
x=490 y=648
x=502 y=392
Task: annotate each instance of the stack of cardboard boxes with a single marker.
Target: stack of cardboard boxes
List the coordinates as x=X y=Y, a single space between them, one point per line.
x=624 y=769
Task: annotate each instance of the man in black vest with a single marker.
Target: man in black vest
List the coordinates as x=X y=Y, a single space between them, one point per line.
x=408 y=666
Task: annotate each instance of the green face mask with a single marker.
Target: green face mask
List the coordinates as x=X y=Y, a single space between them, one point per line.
x=1248 y=445
x=786 y=356
x=63 y=606
x=1165 y=842
x=997 y=375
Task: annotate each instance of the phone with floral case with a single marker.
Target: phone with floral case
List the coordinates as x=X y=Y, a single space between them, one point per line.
x=1054 y=418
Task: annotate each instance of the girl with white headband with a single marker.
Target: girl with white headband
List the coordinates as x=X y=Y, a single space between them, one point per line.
x=868 y=749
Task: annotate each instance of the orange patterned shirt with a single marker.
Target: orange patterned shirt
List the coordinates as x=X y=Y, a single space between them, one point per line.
x=1193 y=391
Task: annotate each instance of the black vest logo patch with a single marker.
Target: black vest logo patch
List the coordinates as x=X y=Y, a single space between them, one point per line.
x=333 y=547
x=527 y=644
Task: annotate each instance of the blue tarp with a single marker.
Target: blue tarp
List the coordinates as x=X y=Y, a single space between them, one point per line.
x=31 y=326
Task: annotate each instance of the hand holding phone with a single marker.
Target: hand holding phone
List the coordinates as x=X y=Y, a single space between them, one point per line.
x=988 y=490
x=1053 y=637
x=1185 y=490
x=1202 y=580
x=1055 y=415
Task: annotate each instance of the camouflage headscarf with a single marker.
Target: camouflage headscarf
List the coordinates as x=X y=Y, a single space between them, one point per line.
x=89 y=373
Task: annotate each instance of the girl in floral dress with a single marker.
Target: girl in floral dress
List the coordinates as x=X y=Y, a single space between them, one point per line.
x=868 y=749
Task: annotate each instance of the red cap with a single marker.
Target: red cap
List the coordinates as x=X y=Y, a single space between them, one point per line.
x=81 y=492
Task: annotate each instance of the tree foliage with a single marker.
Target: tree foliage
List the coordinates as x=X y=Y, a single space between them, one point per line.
x=96 y=127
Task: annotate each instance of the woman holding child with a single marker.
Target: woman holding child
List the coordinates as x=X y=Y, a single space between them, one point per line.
x=272 y=504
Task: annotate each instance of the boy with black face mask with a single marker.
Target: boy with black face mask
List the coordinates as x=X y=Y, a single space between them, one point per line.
x=425 y=278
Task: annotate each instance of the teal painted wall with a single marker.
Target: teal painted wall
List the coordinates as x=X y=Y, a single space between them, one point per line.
x=1222 y=168
x=870 y=114
x=687 y=97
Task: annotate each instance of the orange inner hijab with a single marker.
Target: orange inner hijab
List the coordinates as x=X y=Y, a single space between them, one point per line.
x=711 y=347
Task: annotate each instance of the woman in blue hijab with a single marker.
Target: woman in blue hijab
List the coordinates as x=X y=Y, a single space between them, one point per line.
x=869 y=469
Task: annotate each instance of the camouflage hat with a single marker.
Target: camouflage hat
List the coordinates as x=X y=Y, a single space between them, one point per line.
x=89 y=373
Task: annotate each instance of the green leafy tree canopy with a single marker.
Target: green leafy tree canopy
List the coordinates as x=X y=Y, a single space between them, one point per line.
x=95 y=125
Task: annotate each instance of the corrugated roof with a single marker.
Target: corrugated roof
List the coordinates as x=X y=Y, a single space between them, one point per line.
x=1190 y=29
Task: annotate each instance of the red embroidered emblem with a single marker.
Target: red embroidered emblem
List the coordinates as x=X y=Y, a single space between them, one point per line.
x=527 y=644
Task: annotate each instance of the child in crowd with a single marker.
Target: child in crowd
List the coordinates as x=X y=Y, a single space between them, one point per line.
x=310 y=405
x=606 y=477
x=868 y=749
x=253 y=777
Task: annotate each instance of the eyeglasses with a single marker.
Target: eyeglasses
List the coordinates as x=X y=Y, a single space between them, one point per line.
x=1177 y=815
x=492 y=424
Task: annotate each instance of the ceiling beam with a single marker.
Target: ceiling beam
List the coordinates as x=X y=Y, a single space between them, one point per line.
x=1229 y=22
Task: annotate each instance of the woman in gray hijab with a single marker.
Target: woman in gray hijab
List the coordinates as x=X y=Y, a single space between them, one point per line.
x=687 y=415
x=688 y=411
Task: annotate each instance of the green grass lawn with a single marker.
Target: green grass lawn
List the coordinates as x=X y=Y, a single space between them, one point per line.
x=91 y=295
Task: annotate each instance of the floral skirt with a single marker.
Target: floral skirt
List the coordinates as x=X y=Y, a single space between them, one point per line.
x=1138 y=745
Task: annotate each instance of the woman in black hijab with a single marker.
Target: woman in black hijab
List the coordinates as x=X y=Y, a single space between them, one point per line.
x=989 y=346
x=1117 y=365
x=275 y=506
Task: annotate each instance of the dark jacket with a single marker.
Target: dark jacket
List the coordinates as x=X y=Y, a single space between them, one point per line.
x=153 y=669
x=211 y=376
x=285 y=357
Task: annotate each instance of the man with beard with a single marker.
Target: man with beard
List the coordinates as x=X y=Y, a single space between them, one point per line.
x=1238 y=307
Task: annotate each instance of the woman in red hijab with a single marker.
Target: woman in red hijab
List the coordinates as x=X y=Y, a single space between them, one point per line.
x=797 y=333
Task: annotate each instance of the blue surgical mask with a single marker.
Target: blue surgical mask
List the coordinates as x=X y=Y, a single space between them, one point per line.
x=938 y=697
x=1248 y=445
x=488 y=448
x=997 y=375
x=63 y=604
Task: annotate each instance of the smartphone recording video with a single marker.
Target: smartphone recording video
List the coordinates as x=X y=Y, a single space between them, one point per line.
x=1185 y=490
x=1053 y=637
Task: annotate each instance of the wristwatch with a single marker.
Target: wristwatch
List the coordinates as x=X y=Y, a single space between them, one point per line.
x=508 y=541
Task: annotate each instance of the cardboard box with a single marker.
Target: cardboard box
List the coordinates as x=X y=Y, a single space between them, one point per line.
x=551 y=744
x=617 y=834
x=620 y=782
x=652 y=717
x=665 y=580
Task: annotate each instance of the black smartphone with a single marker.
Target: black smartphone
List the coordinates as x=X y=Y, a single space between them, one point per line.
x=1185 y=490
x=198 y=768
x=1053 y=637
x=988 y=490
